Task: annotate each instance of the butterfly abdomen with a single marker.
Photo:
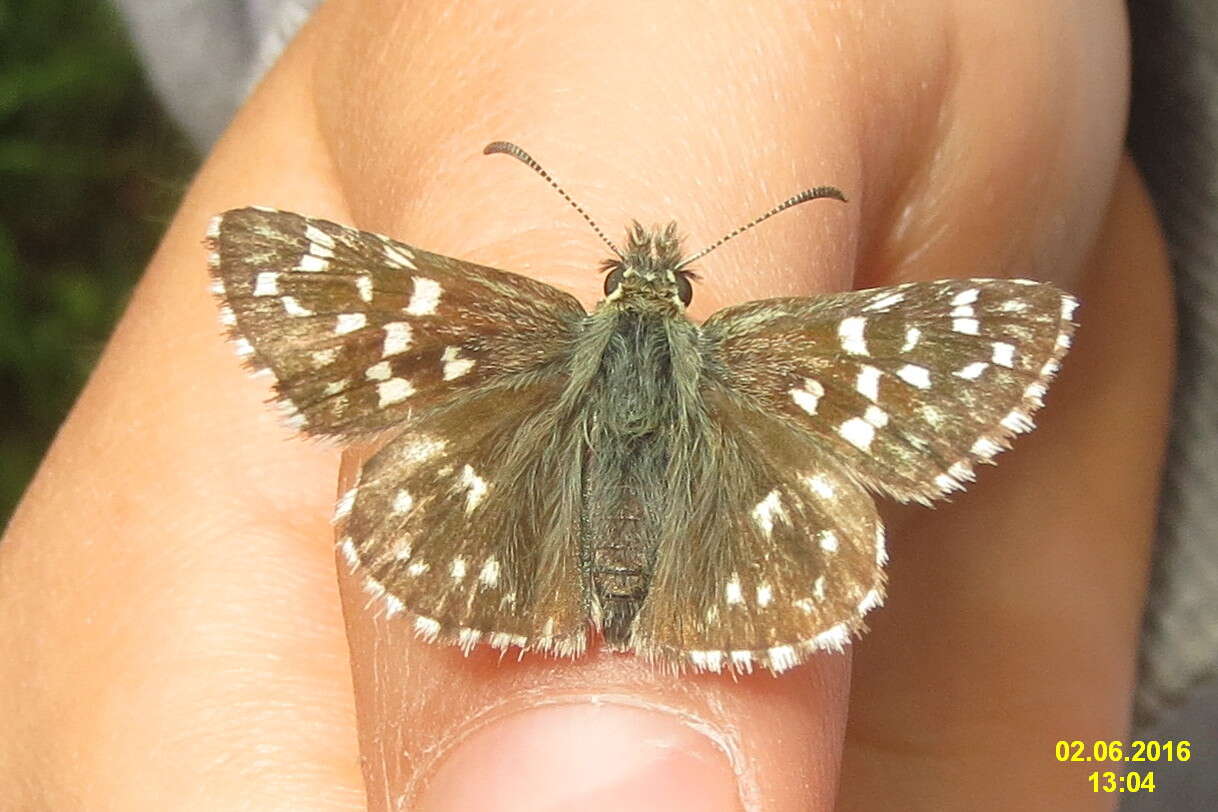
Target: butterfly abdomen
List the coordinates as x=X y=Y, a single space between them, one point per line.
x=631 y=433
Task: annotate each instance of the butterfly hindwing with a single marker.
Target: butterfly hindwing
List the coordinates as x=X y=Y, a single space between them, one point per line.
x=471 y=524
x=781 y=553
x=907 y=386
x=361 y=331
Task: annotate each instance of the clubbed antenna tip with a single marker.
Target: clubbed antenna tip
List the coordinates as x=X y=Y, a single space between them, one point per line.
x=508 y=148
x=803 y=197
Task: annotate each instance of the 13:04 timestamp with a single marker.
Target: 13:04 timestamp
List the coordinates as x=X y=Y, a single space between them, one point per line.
x=1117 y=782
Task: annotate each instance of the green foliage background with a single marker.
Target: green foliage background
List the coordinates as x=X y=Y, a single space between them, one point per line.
x=90 y=172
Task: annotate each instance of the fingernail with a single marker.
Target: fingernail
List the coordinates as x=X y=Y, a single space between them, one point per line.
x=586 y=757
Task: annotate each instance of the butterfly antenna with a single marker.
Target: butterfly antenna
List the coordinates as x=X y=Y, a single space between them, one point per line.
x=802 y=197
x=519 y=154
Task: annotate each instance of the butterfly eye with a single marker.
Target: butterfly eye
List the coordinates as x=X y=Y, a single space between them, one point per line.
x=684 y=289
x=613 y=280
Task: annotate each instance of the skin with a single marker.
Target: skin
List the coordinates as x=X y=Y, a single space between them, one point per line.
x=175 y=635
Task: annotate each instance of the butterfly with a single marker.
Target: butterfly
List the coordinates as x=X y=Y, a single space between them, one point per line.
x=700 y=495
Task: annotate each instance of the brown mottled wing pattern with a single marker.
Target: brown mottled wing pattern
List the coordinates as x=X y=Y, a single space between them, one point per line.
x=782 y=556
x=466 y=518
x=909 y=386
x=360 y=331
x=472 y=524
x=898 y=390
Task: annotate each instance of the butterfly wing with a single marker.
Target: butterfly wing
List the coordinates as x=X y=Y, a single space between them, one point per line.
x=811 y=402
x=471 y=523
x=360 y=331
x=908 y=386
x=781 y=553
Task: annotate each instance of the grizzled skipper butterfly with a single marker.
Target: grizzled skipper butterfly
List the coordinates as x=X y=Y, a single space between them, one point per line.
x=697 y=493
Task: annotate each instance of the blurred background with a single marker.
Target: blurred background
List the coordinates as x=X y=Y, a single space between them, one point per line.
x=90 y=172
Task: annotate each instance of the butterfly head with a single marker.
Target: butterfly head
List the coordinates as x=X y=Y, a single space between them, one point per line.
x=649 y=269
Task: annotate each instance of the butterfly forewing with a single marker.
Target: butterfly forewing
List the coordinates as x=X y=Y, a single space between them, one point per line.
x=361 y=331
x=908 y=386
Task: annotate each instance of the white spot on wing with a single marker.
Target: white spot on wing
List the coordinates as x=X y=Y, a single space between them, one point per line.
x=455 y=367
x=379 y=372
x=965 y=297
x=350 y=555
x=767 y=510
x=490 y=572
x=857 y=432
x=394 y=390
x=1004 y=354
x=966 y=326
x=457 y=570
x=868 y=383
x=343 y=509
x=403 y=501
x=809 y=397
x=476 y=486
x=318 y=237
x=310 y=263
x=828 y=541
x=821 y=486
x=267 y=284
x=349 y=323
x=912 y=336
x=972 y=371
x=227 y=317
x=323 y=358
x=732 y=592
x=424 y=298
x=915 y=375
x=398 y=256
x=876 y=416
x=765 y=595
x=293 y=308
x=851 y=333
x=1013 y=306
x=363 y=284
x=885 y=302
x=397 y=338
